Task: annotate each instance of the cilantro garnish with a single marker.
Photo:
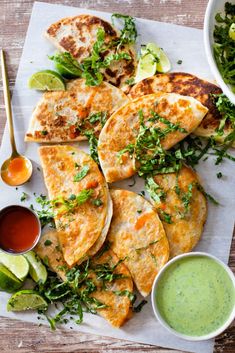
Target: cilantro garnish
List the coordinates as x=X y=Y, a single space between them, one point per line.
x=80 y=175
x=62 y=205
x=128 y=32
x=76 y=293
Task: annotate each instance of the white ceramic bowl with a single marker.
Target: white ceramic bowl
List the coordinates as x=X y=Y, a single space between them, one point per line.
x=165 y=324
x=213 y=7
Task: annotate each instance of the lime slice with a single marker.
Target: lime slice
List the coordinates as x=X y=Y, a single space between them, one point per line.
x=37 y=270
x=17 y=264
x=147 y=67
x=46 y=80
x=152 y=59
x=231 y=32
x=8 y=282
x=164 y=64
x=26 y=300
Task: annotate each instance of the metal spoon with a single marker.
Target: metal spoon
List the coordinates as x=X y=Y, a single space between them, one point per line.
x=15 y=153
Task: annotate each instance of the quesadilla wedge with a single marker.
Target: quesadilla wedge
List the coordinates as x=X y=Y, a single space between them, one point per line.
x=77 y=35
x=171 y=116
x=64 y=116
x=137 y=236
x=182 y=209
x=187 y=85
x=80 y=199
x=118 y=306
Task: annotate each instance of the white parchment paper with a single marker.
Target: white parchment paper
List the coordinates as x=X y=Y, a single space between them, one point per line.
x=180 y=43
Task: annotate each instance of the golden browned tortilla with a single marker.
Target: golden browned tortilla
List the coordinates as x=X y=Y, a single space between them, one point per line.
x=63 y=116
x=123 y=127
x=187 y=85
x=83 y=228
x=118 y=307
x=77 y=35
x=187 y=223
x=137 y=236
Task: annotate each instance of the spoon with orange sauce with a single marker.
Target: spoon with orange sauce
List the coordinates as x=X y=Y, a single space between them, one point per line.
x=17 y=169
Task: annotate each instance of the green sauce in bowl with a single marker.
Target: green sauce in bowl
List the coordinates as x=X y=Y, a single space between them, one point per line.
x=195 y=295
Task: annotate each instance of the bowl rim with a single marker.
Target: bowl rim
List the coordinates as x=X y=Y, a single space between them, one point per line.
x=164 y=323
x=209 y=54
x=14 y=253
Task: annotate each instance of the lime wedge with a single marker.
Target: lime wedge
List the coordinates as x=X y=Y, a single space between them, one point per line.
x=37 y=270
x=152 y=60
x=231 y=32
x=46 y=80
x=8 y=282
x=147 y=67
x=26 y=300
x=17 y=264
x=164 y=64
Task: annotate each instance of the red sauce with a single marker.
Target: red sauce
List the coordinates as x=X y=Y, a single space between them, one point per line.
x=19 y=229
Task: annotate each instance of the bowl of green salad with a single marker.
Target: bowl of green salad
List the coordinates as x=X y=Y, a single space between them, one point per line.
x=219 y=40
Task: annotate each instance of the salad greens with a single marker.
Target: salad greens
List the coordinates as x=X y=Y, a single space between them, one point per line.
x=224 y=47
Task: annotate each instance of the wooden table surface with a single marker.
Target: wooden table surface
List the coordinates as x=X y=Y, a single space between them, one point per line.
x=14 y=18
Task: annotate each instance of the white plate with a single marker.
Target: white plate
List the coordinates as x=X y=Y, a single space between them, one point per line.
x=213 y=7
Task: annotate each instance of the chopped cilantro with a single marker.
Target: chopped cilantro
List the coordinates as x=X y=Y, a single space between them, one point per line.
x=47 y=242
x=80 y=175
x=24 y=197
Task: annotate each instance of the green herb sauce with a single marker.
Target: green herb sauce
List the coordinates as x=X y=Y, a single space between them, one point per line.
x=195 y=296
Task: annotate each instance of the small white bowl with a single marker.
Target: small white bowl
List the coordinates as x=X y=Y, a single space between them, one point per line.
x=213 y=7
x=165 y=324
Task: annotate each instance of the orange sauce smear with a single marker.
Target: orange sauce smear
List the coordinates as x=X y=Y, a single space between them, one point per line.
x=19 y=229
x=18 y=171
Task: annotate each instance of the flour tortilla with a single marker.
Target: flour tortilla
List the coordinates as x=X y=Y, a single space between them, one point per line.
x=85 y=228
x=187 y=85
x=118 y=310
x=123 y=126
x=137 y=236
x=77 y=36
x=186 y=228
x=63 y=116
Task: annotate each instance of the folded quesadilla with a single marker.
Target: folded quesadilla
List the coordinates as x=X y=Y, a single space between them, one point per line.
x=77 y=35
x=63 y=116
x=187 y=85
x=137 y=236
x=171 y=116
x=80 y=198
x=118 y=306
x=182 y=209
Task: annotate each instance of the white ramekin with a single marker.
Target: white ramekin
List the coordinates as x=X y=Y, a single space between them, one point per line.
x=165 y=324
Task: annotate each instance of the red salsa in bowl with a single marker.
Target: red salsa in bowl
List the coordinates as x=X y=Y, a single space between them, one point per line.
x=20 y=229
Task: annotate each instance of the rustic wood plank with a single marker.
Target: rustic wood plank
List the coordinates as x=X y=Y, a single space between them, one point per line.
x=14 y=17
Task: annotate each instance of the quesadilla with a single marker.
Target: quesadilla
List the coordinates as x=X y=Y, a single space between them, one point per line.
x=118 y=306
x=182 y=209
x=64 y=116
x=77 y=35
x=187 y=85
x=171 y=116
x=137 y=236
x=80 y=198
